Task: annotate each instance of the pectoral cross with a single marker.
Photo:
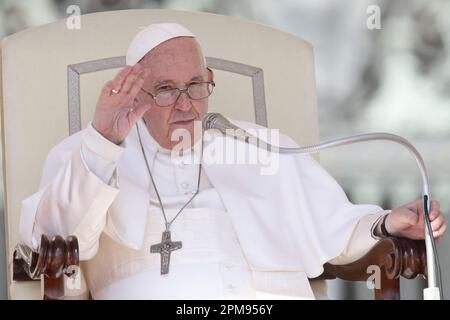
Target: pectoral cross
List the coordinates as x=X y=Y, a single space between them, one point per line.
x=164 y=249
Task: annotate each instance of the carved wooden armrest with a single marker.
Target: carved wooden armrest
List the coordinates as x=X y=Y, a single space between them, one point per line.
x=51 y=261
x=394 y=257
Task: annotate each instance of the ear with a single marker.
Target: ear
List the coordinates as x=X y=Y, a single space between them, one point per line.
x=210 y=74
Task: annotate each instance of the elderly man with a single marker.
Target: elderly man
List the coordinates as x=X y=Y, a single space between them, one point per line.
x=152 y=225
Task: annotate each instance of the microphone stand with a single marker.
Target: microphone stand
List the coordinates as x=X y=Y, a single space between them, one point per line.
x=433 y=291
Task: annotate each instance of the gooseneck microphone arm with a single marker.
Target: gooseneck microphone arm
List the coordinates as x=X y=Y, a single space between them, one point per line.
x=434 y=290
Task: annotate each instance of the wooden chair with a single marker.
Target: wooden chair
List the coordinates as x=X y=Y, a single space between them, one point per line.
x=50 y=81
x=52 y=263
x=395 y=257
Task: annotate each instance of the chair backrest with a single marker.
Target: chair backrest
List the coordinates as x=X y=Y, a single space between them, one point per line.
x=52 y=76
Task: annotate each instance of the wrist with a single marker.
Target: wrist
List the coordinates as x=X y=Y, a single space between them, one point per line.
x=384 y=231
x=103 y=147
x=380 y=229
x=105 y=134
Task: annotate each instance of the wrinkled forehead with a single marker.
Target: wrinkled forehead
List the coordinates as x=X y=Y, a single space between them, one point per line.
x=179 y=60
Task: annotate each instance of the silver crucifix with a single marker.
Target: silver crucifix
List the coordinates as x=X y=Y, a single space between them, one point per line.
x=164 y=249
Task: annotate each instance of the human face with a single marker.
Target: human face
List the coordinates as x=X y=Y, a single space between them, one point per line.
x=175 y=63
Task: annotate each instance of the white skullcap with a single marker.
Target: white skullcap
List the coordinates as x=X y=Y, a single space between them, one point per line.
x=152 y=36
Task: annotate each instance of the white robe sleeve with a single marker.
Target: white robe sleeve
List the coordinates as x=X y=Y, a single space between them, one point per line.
x=300 y=216
x=74 y=196
x=361 y=240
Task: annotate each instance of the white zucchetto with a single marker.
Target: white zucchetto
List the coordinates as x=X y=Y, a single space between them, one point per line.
x=151 y=37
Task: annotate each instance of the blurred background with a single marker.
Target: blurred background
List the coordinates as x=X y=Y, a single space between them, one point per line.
x=393 y=77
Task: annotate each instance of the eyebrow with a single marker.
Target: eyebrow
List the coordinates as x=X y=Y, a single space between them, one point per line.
x=161 y=82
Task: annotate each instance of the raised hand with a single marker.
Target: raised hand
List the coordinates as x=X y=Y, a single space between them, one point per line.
x=117 y=108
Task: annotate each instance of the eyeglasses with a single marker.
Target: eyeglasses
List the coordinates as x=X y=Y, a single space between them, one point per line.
x=195 y=91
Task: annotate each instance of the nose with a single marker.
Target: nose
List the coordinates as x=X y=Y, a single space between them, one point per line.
x=183 y=102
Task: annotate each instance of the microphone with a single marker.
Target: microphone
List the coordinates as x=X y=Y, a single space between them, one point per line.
x=217 y=121
x=434 y=290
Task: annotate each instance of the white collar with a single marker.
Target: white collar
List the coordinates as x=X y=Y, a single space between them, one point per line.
x=152 y=147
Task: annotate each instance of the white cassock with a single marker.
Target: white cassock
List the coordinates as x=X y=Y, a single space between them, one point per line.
x=245 y=236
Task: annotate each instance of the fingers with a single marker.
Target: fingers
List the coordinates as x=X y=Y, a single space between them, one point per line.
x=435 y=205
x=137 y=85
x=434 y=212
x=139 y=108
x=106 y=90
x=438 y=226
x=121 y=76
x=116 y=83
x=131 y=79
x=440 y=232
x=417 y=206
x=125 y=81
x=437 y=223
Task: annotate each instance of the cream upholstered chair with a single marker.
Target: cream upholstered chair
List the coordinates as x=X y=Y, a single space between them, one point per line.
x=52 y=76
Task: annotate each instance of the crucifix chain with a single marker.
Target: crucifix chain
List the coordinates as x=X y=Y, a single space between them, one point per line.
x=166 y=246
